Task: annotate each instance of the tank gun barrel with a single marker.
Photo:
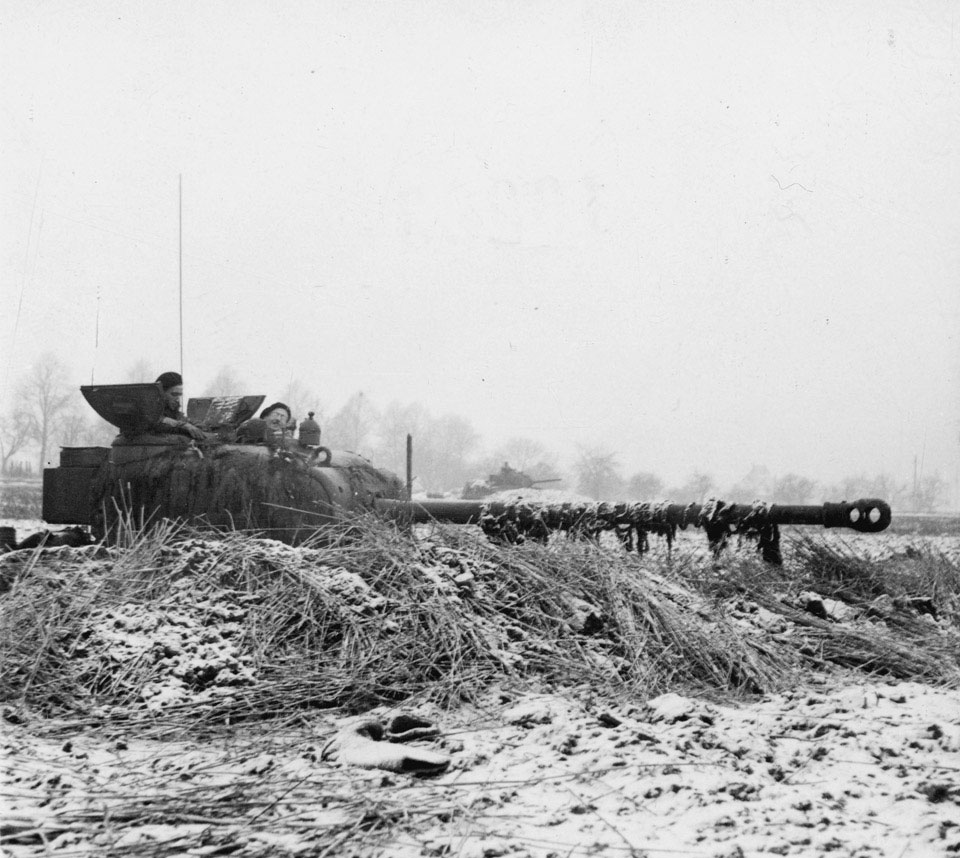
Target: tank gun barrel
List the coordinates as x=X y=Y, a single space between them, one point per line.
x=420 y=512
x=519 y=521
x=867 y=515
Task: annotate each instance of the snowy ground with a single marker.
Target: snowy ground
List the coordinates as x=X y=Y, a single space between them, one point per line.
x=854 y=768
x=863 y=769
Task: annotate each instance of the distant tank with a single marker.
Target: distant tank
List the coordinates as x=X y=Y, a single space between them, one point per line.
x=507 y=479
x=274 y=485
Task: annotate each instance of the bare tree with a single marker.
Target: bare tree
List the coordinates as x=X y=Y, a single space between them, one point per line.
x=441 y=446
x=75 y=429
x=72 y=429
x=645 y=486
x=140 y=372
x=929 y=493
x=99 y=433
x=793 y=489
x=44 y=394
x=453 y=439
x=396 y=422
x=696 y=489
x=14 y=436
x=521 y=453
x=756 y=484
x=597 y=474
x=353 y=424
x=850 y=488
x=885 y=487
x=547 y=467
x=301 y=399
x=226 y=383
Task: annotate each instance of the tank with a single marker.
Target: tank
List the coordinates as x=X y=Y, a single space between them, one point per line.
x=242 y=477
x=238 y=477
x=506 y=479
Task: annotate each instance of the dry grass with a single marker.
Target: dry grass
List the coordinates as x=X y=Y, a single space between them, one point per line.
x=172 y=634
x=836 y=570
x=173 y=624
x=899 y=617
x=277 y=801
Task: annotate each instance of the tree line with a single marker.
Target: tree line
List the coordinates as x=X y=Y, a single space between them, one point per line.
x=448 y=451
x=45 y=415
x=599 y=476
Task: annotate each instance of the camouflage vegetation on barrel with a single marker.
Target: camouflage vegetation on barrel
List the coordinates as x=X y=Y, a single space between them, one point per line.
x=519 y=521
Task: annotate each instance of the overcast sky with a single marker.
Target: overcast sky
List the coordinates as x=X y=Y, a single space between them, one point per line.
x=701 y=234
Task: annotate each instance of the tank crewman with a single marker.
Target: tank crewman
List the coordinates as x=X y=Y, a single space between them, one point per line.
x=279 y=426
x=275 y=426
x=278 y=418
x=173 y=421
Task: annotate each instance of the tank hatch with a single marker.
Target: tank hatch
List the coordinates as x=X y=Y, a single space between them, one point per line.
x=132 y=408
x=218 y=412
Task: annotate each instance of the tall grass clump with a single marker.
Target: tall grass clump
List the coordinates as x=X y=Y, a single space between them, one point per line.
x=255 y=628
x=922 y=578
x=229 y=626
x=896 y=616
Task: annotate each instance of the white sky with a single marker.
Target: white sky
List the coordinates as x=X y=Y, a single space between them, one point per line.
x=702 y=235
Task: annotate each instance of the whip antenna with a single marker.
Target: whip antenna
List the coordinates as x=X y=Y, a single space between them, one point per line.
x=180 y=249
x=96 y=336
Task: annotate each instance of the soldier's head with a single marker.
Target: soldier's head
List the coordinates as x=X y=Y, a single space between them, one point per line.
x=171 y=383
x=276 y=416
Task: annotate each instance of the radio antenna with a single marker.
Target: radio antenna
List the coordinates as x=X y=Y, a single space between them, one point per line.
x=180 y=248
x=96 y=336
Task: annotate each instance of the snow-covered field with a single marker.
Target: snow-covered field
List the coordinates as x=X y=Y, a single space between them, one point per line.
x=860 y=769
x=848 y=764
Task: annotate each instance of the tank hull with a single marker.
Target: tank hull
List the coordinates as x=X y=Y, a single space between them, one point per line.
x=274 y=493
